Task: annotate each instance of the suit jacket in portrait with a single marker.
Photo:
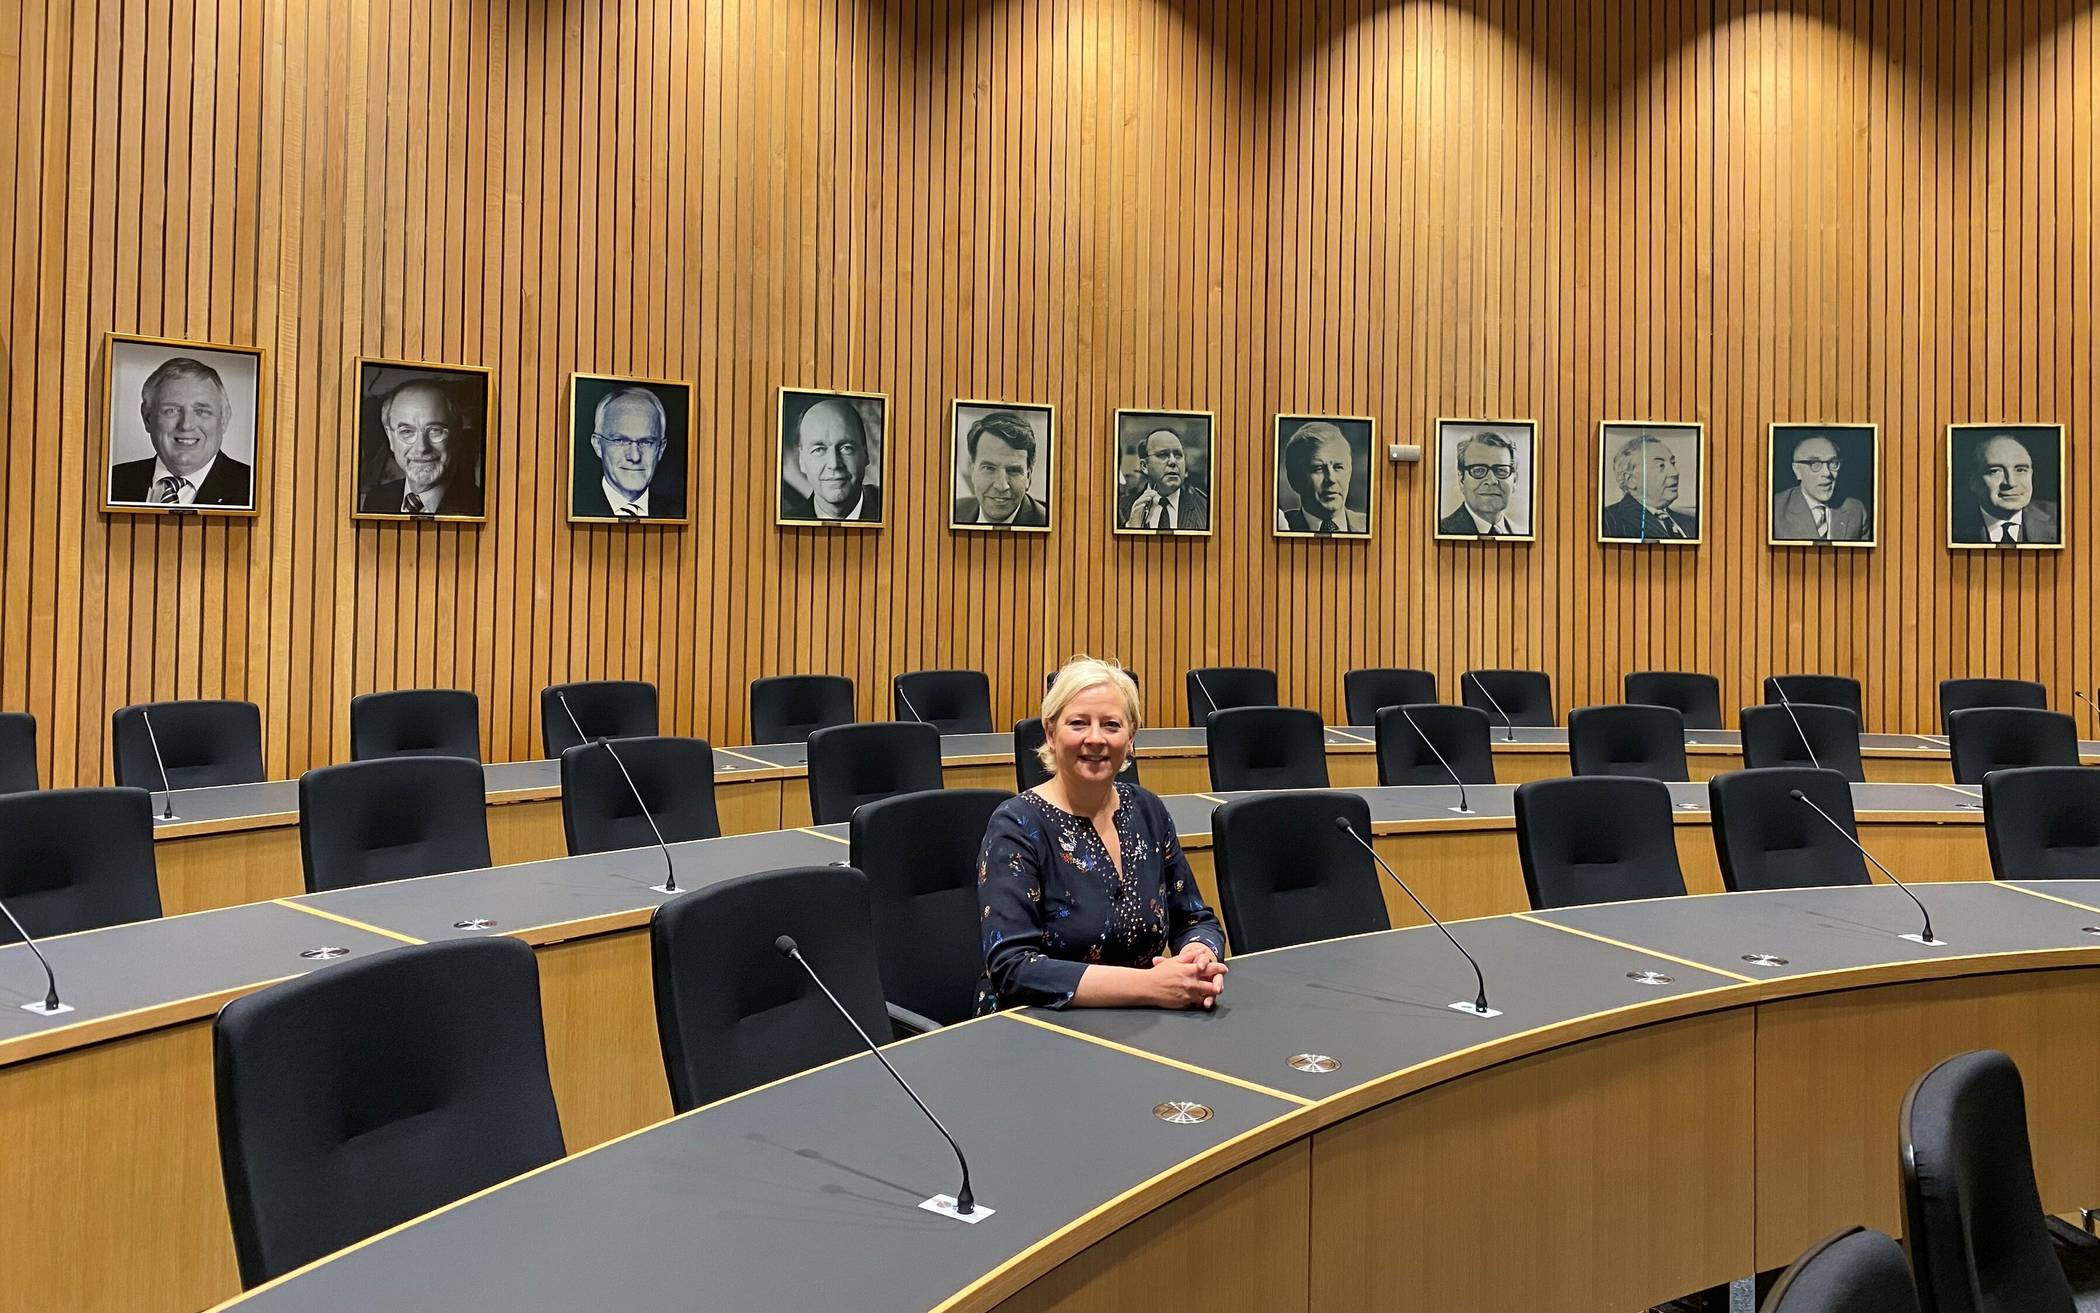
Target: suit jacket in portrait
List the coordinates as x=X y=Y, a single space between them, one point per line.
x=799 y=506
x=666 y=498
x=1298 y=521
x=1459 y=523
x=229 y=484
x=462 y=497
x=2038 y=524
x=1627 y=518
x=1792 y=521
x=1195 y=506
x=1032 y=515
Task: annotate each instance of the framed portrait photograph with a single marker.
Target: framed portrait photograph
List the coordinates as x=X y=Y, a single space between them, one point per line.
x=422 y=441
x=999 y=458
x=1650 y=482
x=182 y=425
x=2005 y=485
x=1486 y=480
x=630 y=450
x=1825 y=484
x=1162 y=471
x=831 y=457
x=1324 y=475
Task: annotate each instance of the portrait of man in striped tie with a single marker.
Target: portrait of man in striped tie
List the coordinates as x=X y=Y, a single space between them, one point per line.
x=1824 y=484
x=182 y=419
x=628 y=457
x=1162 y=471
x=1650 y=482
x=422 y=431
x=1485 y=477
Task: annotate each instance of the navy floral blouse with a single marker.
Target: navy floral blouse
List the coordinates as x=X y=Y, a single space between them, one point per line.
x=1053 y=904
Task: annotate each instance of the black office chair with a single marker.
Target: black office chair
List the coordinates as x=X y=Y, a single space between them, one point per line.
x=2043 y=822
x=203 y=744
x=375 y=1090
x=1526 y=696
x=952 y=701
x=731 y=1012
x=1972 y=1215
x=1219 y=688
x=1962 y=694
x=1287 y=876
x=919 y=853
x=1822 y=690
x=853 y=764
x=17 y=752
x=1267 y=748
x=1050 y=677
x=675 y=776
x=1028 y=768
x=76 y=859
x=1461 y=734
x=605 y=708
x=1696 y=697
x=415 y=722
x=787 y=708
x=1364 y=692
x=395 y=818
x=1597 y=839
x=1770 y=738
x=1767 y=840
x=1984 y=739
x=1628 y=740
x=1855 y=1271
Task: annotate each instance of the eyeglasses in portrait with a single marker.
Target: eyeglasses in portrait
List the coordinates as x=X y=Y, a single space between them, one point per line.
x=1324 y=475
x=183 y=425
x=1162 y=471
x=830 y=467
x=1650 y=482
x=630 y=458
x=422 y=441
x=1486 y=477
x=1825 y=484
x=2005 y=485
x=999 y=465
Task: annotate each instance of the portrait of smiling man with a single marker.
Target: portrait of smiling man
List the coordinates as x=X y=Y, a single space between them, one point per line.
x=831 y=457
x=421 y=430
x=1649 y=482
x=628 y=452
x=1484 y=479
x=181 y=418
x=2005 y=485
x=1823 y=485
x=1001 y=456
x=1323 y=476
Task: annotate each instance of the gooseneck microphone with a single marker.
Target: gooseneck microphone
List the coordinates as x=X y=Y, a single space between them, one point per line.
x=1461 y=809
x=964 y=1204
x=167 y=790
x=2080 y=695
x=1204 y=688
x=1784 y=701
x=50 y=1007
x=1926 y=938
x=905 y=698
x=1479 y=1006
x=670 y=884
x=1509 y=727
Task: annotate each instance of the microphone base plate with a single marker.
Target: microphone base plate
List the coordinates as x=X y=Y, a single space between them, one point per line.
x=1462 y=811
x=43 y=1011
x=944 y=1204
x=1467 y=1007
x=1920 y=939
x=664 y=889
x=163 y=819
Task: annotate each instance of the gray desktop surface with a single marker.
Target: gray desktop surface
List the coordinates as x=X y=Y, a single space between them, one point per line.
x=228 y=802
x=806 y=1196
x=2084 y=892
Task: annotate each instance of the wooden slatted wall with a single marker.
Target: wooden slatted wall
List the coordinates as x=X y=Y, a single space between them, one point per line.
x=1720 y=211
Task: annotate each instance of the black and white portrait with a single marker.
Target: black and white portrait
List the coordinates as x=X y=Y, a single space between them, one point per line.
x=1649 y=481
x=422 y=441
x=2005 y=485
x=831 y=457
x=630 y=456
x=1825 y=481
x=999 y=458
x=1162 y=471
x=1323 y=476
x=184 y=421
x=1486 y=474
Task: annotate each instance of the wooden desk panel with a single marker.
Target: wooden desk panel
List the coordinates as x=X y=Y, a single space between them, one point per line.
x=599 y=1001
x=228 y=868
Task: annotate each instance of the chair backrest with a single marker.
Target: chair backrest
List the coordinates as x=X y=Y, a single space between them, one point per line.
x=1028 y=768
x=1628 y=740
x=1855 y=1271
x=17 y=752
x=395 y=818
x=415 y=722
x=377 y=1089
x=1823 y=690
x=1219 y=688
x=1767 y=840
x=1771 y=739
x=203 y=744
x=1962 y=694
x=1984 y=739
x=1050 y=677
x=952 y=701
x=731 y=1012
x=2043 y=822
x=605 y=708
x=76 y=859
x=1596 y=839
x=1267 y=748
x=786 y=708
x=1526 y=695
x=1696 y=697
x=1364 y=692
x=1972 y=1215
x=1460 y=733
x=919 y=853
x=1287 y=876
x=853 y=764
x=675 y=776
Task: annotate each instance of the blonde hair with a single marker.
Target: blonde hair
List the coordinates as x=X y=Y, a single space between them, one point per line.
x=1076 y=676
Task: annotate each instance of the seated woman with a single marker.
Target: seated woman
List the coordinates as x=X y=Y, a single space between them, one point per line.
x=1086 y=897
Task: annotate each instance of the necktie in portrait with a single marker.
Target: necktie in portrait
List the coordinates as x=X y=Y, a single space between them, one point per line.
x=626 y=510
x=412 y=504
x=1822 y=514
x=171 y=489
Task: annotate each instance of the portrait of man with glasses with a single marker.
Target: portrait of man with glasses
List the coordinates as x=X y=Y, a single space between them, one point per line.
x=628 y=457
x=1485 y=471
x=422 y=439
x=1823 y=484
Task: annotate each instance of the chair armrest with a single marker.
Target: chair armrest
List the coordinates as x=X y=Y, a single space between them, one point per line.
x=906 y=1023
